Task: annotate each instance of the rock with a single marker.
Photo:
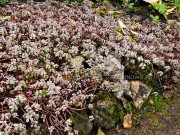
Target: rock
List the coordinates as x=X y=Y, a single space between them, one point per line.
x=106 y=111
x=113 y=68
x=139 y=93
x=81 y=123
x=120 y=88
x=175 y=79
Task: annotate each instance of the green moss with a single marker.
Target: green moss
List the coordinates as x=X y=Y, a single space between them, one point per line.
x=108 y=109
x=105 y=117
x=111 y=110
x=160 y=103
x=154 y=120
x=81 y=122
x=74 y=121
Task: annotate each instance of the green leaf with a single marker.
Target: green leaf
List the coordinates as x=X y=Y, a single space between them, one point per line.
x=130 y=5
x=161 y=8
x=43 y=93
x=155 y=18
x=77 y=104
x=31 y=74
x=100 y=12
x=114 y=13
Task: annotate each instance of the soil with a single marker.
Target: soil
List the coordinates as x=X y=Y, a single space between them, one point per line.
x=162 y=122
x=155 y=120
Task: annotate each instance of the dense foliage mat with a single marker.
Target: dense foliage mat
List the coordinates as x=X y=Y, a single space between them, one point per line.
x=52 y=60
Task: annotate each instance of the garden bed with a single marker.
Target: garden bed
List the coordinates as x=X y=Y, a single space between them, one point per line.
x=64 y=66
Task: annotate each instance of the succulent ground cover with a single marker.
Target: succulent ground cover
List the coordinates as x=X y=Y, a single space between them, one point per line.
x=53 y=60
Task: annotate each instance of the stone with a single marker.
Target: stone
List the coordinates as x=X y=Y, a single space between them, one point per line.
x=139 y=92
x=119 y=89
x=81 y=123
x=113 y=68
x=107 y=110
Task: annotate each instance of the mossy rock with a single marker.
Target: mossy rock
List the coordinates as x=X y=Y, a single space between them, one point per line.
x=107 y=111
x=81 y=123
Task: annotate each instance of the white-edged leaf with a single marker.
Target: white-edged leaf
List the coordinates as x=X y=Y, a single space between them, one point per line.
x=151 y=1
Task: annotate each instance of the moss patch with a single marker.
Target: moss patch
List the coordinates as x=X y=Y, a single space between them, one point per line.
x=108 y=110
x=81 y=123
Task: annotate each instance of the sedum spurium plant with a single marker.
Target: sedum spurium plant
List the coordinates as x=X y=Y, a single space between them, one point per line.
x=52 y=61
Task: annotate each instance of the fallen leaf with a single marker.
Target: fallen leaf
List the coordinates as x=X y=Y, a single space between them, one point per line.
x=114 y=12
x=170 y=86
x=121 y=24
x=167 y=93
x=118 y=32
x=168 y=11
x=151 y=102
x=100 y=132
x=133 y=32
x=132 y=40
x=127 y=121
